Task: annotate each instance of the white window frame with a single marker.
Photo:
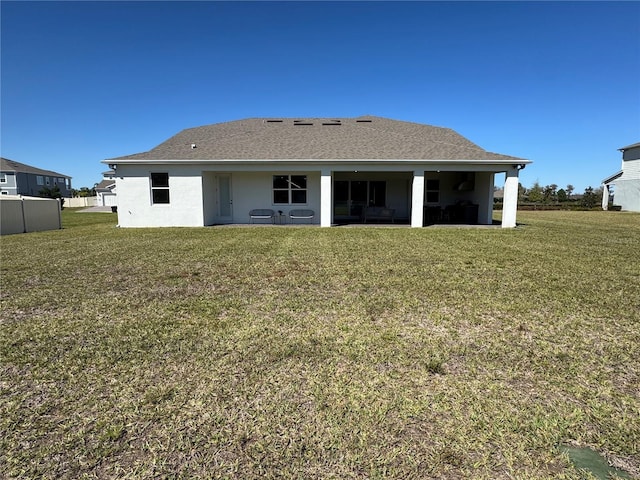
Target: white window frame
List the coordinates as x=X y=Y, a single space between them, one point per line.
x=3 y=178
x=40 y=180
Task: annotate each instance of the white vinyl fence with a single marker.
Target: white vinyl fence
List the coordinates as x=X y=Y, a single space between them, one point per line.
x=81 y=202
x=28 y=214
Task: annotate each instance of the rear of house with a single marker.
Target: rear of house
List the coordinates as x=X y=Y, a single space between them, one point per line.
x=341 y=169
x=624 y=185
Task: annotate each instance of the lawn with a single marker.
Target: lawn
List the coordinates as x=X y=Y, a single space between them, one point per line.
x=300 y=352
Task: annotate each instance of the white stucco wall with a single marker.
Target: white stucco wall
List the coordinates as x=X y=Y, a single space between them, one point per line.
x=193 y=196
x=193 y=191
x=135 y=209
x=627 y=195
x=627 y=186
x=255 y=190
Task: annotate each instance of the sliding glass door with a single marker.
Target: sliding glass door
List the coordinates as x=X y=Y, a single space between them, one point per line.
x=351 y=196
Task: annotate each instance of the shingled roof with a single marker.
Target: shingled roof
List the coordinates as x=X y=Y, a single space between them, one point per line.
x=7 y=165
x=366 y=137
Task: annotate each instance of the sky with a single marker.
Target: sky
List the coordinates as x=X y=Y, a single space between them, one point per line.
x=557 y=83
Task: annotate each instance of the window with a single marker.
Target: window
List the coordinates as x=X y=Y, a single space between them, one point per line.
x=159 y=188
x=289 y=189
x=3 y=178
x=40 y=180
x=47 y=180
x=4 y=192
x=433 y=190
x=61 y=180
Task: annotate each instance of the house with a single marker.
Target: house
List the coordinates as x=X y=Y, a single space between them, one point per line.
x=19 y=179
x=106 y=190
x=627 y=181
x=336 y=167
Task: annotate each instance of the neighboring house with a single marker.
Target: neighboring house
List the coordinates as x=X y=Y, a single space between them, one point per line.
x=19 y=179
x=338 y=168
x=626 y=193
x=106 y=190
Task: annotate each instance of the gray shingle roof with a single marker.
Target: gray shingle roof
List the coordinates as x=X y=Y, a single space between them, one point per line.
x=630 y=146
x=105 y=184
x=366 y=137
x=7 y=165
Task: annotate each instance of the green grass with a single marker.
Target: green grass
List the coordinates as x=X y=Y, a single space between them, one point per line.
x=320 y=353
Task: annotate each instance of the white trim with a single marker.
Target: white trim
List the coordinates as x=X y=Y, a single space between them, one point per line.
x=417 y=199
x=510 y=200
x=335 y=161
x=326 y=198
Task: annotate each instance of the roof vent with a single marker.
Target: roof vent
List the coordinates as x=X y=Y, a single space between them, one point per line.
x=274 y=121
x=332 y=123
x=302 y=123
x=193 y=145
x=363 y=121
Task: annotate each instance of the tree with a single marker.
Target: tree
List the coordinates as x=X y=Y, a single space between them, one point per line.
x=589 y=198
x=54 y=192
x=84 y=192
x=536 y=194
x=562 y=195
x=549 y=193
x=570 y=188
x=521 y=192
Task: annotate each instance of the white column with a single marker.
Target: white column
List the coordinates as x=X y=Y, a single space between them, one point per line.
x=510 y=202
x=605 y=197
x=417 y=199
x=326 y=212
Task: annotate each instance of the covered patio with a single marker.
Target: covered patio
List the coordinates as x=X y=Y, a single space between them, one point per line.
x=437 y=195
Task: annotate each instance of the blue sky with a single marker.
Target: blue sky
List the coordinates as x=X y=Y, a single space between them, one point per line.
x=554 y=82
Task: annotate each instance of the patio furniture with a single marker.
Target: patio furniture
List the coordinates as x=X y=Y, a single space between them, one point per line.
x=261 y=214
x=378 y=213
x=301 y=214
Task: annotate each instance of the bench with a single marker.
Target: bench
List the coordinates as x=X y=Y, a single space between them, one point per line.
x=301 y=214
x=261 y=214
x=378 y=213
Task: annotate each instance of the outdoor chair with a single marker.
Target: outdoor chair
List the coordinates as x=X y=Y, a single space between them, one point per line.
x=301 y=214
x=261 y=214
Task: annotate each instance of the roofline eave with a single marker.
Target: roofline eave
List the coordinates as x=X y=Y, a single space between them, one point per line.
x=315 y=161
x=611 y=178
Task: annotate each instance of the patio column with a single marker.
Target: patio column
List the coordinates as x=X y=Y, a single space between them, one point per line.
x=510 y=201
x=417 y=199
x=605 y=196
x=326 y=212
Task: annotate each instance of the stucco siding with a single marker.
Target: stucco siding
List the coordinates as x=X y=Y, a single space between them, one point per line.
x=627 y=195
x=135 y=207
x=255 y=190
